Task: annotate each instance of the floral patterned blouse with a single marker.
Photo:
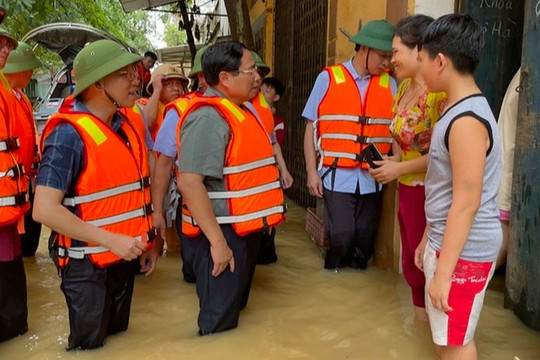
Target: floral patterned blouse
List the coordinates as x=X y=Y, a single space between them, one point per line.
x=412 y=127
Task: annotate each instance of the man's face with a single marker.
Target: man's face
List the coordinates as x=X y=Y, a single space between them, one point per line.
x=245 y=81
x=377 y=60
x=148 y=62
x=172 y=89
x=5 y=48
x=123 y=85
x=428 y=70
x=269 y=94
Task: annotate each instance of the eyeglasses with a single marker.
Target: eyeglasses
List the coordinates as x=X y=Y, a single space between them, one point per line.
x=252 y=70
x=130 y=75
x=6 y=43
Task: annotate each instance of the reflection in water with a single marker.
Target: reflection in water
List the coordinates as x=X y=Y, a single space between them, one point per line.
x=297 y=310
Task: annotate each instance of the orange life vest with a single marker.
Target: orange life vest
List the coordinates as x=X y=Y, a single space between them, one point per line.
x=135 y=117
x=27 y=128
x=159 y=117
x=264 y=112
x=113 y=189
x=253 y=190
x=345 y=124
x=13 y=182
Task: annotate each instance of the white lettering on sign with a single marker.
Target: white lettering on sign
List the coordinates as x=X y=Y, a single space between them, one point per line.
x=496 y=29
x=497 y=4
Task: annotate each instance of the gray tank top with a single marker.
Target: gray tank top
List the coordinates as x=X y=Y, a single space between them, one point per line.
x=485 y=236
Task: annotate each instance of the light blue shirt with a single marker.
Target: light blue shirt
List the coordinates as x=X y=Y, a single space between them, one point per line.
x=346 y=180
x=166 y=137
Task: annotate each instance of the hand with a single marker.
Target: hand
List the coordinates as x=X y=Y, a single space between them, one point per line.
x=222 y=256
x=159 y=223
x=148 y=261
x=157 y=84
x=438 y=291
x=419 y=253
x=314 y=184
x=286 y=179
x=387 y=171
x=125 y=247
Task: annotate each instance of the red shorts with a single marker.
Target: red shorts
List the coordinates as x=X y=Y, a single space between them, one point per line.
x=469 y=282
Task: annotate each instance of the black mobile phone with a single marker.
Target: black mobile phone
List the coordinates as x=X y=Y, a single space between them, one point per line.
x=371 y=153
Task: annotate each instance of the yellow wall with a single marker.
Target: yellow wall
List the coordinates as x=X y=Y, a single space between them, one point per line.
x=347 y=15
x=264 y=11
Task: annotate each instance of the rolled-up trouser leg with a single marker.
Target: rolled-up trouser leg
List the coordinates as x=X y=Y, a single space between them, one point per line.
x=13 y=299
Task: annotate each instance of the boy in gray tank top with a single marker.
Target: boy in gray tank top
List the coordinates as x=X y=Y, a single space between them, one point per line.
x=463 y=234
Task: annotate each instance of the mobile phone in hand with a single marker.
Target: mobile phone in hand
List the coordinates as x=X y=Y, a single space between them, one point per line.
x=371 y=154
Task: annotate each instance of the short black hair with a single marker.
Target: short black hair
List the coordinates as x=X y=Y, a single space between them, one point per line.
x=457 y=36
x=275 y=84
x=410 y=29
x=151 y=54
x=223 y=56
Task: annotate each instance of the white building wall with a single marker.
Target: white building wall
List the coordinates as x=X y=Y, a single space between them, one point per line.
x=434 y=8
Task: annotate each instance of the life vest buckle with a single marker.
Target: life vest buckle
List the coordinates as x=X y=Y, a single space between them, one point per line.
x=151 y=234
x=11 y=143
x=16 y=171
x=145 y=182
x=361 y=139
x=148 y=209
x=21 y=198
x=362 y=119
x=62 y=252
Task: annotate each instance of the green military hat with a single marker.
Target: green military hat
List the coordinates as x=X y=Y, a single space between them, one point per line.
x=7 y=35
x=376 y=34
x=99 y=59
x=260 y=64
x=21 y=59
x=197 y=67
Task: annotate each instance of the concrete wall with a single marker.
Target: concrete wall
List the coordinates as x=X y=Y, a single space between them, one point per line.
x=434 y=8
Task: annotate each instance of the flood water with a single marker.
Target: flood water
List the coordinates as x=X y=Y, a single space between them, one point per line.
x=296 y=310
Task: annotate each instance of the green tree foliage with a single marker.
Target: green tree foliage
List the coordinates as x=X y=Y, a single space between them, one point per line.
x=173 y=36
x=106 y=15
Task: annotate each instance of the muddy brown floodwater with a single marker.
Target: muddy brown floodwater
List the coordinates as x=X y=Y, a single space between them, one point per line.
x=296 y=310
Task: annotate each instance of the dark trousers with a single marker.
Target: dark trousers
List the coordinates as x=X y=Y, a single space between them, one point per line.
x=267 y=249
x=186 y=252
x=13 y=299
x=32 y=231
x=221 y=298
x=352 y=221
x=98 y=300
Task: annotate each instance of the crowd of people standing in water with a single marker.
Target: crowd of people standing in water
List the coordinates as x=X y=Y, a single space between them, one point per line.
x=116 y=170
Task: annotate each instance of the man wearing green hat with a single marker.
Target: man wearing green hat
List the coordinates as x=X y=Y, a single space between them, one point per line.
x=349 y=108
x=18 y=71
x=13 y=205
x=92 y=190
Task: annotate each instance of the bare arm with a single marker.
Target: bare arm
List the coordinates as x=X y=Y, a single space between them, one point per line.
x=151 y=109
x=160 y=184
x=391 y=169
x=286 y=178
x=468 y=142
x=194 y=192
x=48 y=210
x=314 y=182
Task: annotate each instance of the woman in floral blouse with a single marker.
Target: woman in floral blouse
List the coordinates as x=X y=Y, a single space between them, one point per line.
x=416 y=111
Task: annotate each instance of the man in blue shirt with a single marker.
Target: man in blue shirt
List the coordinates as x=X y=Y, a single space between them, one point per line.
x=350 y=193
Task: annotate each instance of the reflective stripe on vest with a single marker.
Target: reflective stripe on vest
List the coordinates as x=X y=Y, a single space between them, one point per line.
x=249 y=166
x=10 y=144
x=115 y=219
x=138 y=185
x=279 y=209
x=346 y=122
x=19 y=199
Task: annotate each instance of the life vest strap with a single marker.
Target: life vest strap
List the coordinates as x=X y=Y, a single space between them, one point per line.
x=15 y=172
x=249 y=166
x=10 y=144
x=358 y=138
x=246 y=192
x=278 y=209
x=118 y=190
x=344 y=155
x=360 y=119
x=80 y=252
x=144 y=211
x=14 y=200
